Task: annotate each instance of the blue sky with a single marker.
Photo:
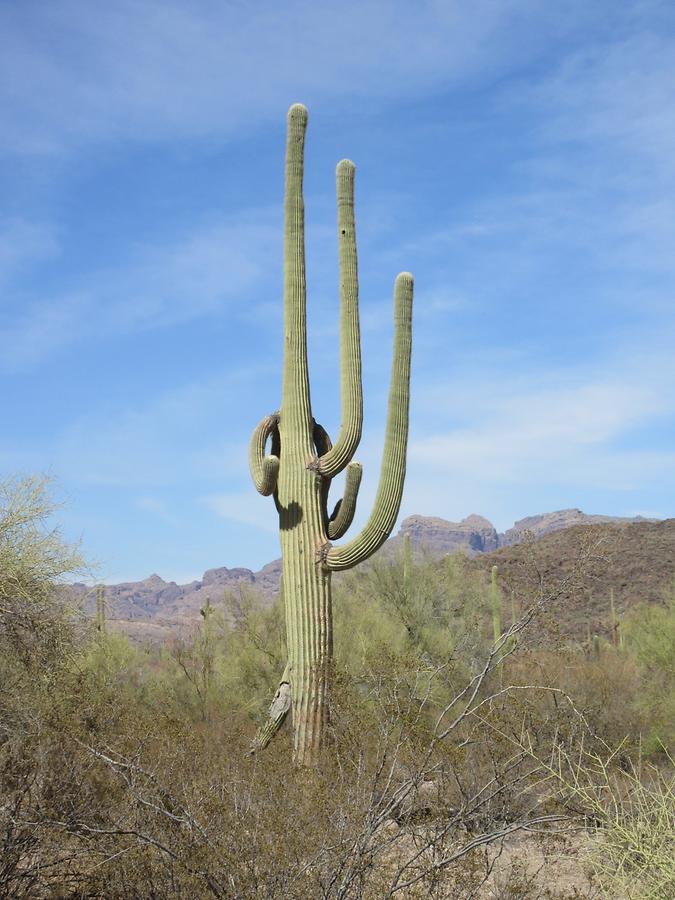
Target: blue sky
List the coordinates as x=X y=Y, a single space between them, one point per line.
x=518 y=157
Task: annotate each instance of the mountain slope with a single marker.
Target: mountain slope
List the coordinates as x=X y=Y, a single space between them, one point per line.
x=584 y=565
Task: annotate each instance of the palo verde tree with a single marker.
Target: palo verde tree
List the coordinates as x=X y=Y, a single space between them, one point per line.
x=303 y=461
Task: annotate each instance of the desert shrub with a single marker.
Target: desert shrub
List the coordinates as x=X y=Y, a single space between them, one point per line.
x=36 y=619
x=124 y=771
x=38 y=641
x=436 y=610
x=634 y=847
x=595 y=692
x=649 y=638
x=252 y=653
x=629 y=809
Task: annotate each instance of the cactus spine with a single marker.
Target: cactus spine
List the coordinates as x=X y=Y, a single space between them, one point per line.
x=303 y=461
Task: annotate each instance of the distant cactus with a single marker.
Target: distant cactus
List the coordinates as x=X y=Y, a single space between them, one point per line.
x=496 y=603
x=616 y=632
x=612 y=615
x=206 y=610
x=100 y=609
x=407 y=566
x=303 y=461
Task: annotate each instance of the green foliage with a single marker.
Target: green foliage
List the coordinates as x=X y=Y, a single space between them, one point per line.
x=252 y=649
x=434 y=612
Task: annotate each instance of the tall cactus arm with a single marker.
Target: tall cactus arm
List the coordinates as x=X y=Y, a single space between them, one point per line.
x=343 y=514
x=350 y=340
x=390 y=489
x=264 y=469
x=295 y=402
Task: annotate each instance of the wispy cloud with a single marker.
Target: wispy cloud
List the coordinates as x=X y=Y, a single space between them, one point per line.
x=571 y=434
x=604 y=145
x=616 y=93
x=196 y=274
x=22 y=244
x=189 y=434
x=150 y=70
x=157 y=507
x=244 y=507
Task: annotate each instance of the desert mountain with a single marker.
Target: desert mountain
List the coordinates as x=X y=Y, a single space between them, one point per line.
x=154 y=607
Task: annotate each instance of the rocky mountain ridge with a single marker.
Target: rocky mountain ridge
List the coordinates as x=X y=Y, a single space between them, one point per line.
x=167 y=604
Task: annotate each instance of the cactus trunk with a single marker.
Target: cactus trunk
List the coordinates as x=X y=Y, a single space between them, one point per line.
x=299 y=485
x=303 y=461
x=309 y=639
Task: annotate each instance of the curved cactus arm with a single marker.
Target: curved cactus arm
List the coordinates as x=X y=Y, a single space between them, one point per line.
x=264 y=469
x=278 y=711
x=350 y=340
x=390 y=489
x=275 y=450
x=343 y=514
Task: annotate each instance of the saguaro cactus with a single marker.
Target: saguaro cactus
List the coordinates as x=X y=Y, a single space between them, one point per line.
x=100 y=609
x=302 y=460
x=496 y=604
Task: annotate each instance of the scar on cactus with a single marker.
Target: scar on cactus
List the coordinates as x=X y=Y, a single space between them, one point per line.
x=302 y=460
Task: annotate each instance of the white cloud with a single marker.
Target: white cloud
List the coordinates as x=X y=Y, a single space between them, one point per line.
x=565 y=435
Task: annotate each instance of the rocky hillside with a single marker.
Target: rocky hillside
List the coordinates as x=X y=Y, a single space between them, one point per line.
x=475 y=534
x=438 y=536
x=579 y=568
x=154 y=608
x=168 y=605
x=545 y=523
